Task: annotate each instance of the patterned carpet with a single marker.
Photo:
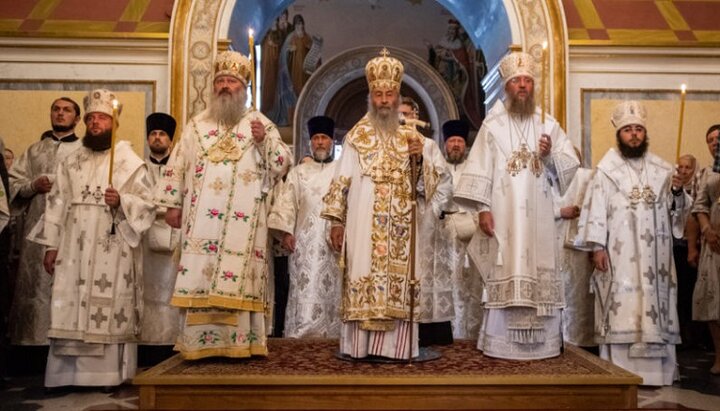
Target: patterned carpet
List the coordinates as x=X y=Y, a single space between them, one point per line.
x=317 y=357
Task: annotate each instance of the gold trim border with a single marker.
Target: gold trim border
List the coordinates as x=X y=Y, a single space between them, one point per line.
x=559 y=36
x=178 y=24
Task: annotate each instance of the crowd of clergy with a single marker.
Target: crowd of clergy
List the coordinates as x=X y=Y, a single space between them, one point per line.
x=214 y=243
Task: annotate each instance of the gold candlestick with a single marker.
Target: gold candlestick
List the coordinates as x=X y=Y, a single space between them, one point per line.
x=112 y=140
x=680 y=126
x=251 y=44
x=543 y=82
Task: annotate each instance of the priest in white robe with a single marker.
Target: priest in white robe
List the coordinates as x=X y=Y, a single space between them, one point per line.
x=627 y=218
x=459 y=226
x=313 y=307
x=512 y=166
x=574 y=264
x=370 y=208
x=93 y=231
x=31 y=178
x=161 y=321
x=216 y=187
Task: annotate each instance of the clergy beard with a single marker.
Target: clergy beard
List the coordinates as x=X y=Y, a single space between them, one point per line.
x=59 y=128
x=632 y=152
x=456 y=157
x=519 y=106
x=321 y=155
x=100 y=142
x=386 y=120
x=227 y=108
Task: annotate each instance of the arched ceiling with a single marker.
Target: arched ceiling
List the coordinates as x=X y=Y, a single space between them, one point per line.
x=486 y=22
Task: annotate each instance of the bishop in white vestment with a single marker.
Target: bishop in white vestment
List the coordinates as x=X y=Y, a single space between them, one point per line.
x=369 y=204
x=93 y=233
x=627 y=219
x=313 y=307
x=216 y=188
x=512 y=166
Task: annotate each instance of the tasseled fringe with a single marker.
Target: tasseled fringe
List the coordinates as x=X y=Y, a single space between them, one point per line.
x=526 y=336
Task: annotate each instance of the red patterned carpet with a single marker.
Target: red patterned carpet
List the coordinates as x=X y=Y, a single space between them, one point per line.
x=317 y=357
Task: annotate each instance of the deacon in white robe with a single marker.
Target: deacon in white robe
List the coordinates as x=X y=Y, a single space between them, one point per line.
x=313 y=307
x=93 y=232
x=369 y=203
x=627 y=218
x=161 y=321
x=512 y=166
x=574 y=264
x=217 y=187
x=31 y=177
x=459 y=227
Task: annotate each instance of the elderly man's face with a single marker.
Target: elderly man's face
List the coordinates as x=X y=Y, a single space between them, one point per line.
x=98 y=123
x=158 y=141
x=384 y=100
x=520 y=87
x=63 y=116
x=455 y=148
x=321 y=146
x=227 y=85
x=712 y=141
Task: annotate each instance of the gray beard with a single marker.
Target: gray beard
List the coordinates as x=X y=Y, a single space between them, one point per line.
x=227 y=109
x=321 y=155
x=456 y=158
x=386 y=122
x=520 y=107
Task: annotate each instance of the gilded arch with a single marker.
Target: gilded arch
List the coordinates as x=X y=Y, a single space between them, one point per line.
x=194 y=42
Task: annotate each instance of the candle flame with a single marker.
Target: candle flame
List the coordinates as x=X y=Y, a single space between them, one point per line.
x=115 y=104
x=683 y=87
x=250 y=33
x=544 y=45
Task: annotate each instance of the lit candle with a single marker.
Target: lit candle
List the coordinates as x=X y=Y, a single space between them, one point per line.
x=251 y=44
x=112 y=140
x=543 y=80
x=680 y=127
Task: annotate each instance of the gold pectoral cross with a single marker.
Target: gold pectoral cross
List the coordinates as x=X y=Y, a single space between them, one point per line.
x=224 y=149
x=524 y=158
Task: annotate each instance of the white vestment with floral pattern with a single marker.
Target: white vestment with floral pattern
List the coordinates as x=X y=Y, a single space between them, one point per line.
x=222 y=179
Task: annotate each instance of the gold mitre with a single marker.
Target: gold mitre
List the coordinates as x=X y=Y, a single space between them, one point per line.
x=516 y=64
x=232 y=63
x=384 y=72
x=628 y=112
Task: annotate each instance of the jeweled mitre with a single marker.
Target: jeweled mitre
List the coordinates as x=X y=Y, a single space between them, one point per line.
x=232 y=63
x=384 y=72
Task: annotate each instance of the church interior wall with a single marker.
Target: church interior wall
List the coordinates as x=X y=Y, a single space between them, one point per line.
x=35 y=71
x=600 y=77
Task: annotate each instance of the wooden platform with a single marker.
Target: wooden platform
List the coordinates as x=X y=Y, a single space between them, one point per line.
x=305 y=375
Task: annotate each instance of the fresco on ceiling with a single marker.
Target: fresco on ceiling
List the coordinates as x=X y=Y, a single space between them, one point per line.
x=307 y=32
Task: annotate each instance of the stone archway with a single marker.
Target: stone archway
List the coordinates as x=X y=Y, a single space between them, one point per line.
x=194 y=42
x=349 y=66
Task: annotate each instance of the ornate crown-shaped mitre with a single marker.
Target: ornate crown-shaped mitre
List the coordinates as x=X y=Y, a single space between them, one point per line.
x=100 y=101
x=628 y=112
x=517 y=64
x=232 y=63
x=384 y=72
